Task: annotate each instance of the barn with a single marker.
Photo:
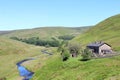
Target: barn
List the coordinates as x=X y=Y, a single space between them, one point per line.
x=100 y=48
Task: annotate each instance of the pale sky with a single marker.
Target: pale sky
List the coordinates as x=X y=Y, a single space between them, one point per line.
x=23 y=14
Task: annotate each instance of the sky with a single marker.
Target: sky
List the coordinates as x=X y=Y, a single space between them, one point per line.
x=24 y=14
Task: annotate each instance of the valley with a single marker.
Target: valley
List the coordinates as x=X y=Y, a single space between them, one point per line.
x=49 y=66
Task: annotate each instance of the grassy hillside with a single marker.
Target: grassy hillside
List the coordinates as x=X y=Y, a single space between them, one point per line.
x=74 y=69
x=107 y=31
x=95 y=69
x=11 y=52
x=52 y=67
x=46 y=32
x=8 y=46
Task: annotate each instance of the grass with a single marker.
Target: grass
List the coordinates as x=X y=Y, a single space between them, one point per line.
x=74 y=69
x=13 y=51
x=107 y=31
x=95 y=69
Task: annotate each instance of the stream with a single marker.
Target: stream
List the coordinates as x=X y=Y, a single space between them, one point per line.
x=23 y=71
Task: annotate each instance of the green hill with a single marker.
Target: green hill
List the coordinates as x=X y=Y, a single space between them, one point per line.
x=52 y=67
x=4 y=32
x=107 y=31
x=12 y=51
x=45 y=32
x=8 y=46
x=95 y=69
x=73 y=69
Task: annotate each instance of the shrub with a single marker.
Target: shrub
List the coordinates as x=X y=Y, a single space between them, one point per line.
x=74 y=48
x=39 y=42
x=62 y=45
x=65 y=54
x=86 y=55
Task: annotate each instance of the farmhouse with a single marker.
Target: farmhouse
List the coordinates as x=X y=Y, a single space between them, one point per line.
x=100 y=48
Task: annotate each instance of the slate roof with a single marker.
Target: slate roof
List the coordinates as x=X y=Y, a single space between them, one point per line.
x=96 y=44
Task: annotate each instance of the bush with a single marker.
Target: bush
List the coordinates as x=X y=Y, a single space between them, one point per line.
x=37 y=41
x=65 y=54
x=62 y=45
x=74 y=48
x=86 y=55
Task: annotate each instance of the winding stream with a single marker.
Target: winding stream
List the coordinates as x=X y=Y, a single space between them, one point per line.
x=24 y=72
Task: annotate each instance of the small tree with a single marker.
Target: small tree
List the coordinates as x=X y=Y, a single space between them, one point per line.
x=62 y=45
x=86 y=54
x=74 y=49
x=65 y=54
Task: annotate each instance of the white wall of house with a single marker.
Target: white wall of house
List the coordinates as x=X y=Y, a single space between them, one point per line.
x=104 y=47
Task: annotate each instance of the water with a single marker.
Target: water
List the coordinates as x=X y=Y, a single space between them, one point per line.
x=24 y=72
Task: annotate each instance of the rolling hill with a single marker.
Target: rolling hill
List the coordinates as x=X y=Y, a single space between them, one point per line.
x=53 y=68
x=8 y=46
x=4 y=32
x=73 y=69
x=12 y=51
x=107 y=31
x=45 y=32
x=95 y=69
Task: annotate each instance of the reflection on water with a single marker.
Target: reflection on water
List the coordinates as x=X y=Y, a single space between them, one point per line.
x=24 y=72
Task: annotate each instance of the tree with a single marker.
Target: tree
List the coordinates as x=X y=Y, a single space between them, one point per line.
x=65 y=54
x=75 y=49
x=62 y=48
x=62 y=45
x=86 y=54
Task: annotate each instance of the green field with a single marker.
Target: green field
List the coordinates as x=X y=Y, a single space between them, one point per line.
x=11 y=52
x=73 y=69
x=107 y=31
x=95 y=69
